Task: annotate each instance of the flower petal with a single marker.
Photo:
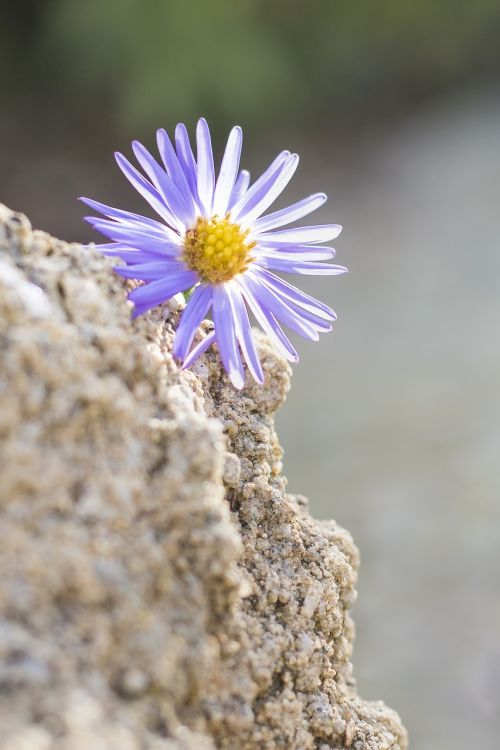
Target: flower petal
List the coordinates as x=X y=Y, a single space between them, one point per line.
x=186 y=158
x=291 y=213
x=194 y=312
x=126 y=217
x=286 y=265
x=266 y=189
x=244 y=332
x=147 y=190
x=309 y=309
x=161 y=233
x=149 y=271
x=269 y=191
x=240 y=188
x=156 y=292
x=316 y=321
x=174 y=169
x=130 y=256
x=134 y=236
x=226 y=336
x=294 y=252
x=198 y=350
x=228 y=172
x=181 y=206
x=248 y=198
x=206 y=172
x=269 y=324
x=319 y=233
x=268 y=298
x=294 y=295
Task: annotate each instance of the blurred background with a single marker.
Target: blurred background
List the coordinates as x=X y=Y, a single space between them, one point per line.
x=392 y=425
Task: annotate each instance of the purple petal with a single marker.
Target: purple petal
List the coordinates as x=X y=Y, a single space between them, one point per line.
x=147 y=191
x=206 y=173
x=319 y=233
x=131 y=257
x=316 y=321
x=228 y=172
x=279 y=307
x=125 y=216
x=226 y=336
x=283 y=288
x=186 y=158
x=198 y=350
x=240 y=188
x=134 y=237
x=269 y=191
x=268 y=323
x=291 y=213
x=161 y=233
x=195 y=311
x=294 y=252
x=260 y=187
x=306 y=269
x=181 y=206
x=156 y=292
x=244 y=332
x=174 y=169
x=149 y=271
x=319 y=319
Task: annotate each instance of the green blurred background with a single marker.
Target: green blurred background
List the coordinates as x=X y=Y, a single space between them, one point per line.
x=392 y=424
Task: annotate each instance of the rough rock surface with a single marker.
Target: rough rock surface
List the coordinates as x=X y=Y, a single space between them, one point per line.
x=159 y=588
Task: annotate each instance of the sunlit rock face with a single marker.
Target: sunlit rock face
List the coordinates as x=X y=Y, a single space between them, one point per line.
x=159 y=587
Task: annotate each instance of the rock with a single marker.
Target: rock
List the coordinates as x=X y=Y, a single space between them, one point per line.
x=160 y=590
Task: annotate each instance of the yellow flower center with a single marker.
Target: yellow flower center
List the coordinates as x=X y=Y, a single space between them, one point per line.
x=217 y=249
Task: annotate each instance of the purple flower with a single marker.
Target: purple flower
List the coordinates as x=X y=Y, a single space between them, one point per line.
x=214 y=239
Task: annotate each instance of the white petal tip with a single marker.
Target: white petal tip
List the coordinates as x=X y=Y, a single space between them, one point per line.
x=237 y=380
x=121 y=160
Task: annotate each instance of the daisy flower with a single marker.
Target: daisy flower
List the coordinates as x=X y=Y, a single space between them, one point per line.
x=214 y=240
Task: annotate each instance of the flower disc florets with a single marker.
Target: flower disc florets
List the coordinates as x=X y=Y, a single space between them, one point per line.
x=217 y=249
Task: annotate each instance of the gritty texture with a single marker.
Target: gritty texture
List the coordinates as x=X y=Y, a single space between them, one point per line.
x=160 y=590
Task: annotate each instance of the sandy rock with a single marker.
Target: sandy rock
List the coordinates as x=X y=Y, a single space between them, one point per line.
x=160 y=590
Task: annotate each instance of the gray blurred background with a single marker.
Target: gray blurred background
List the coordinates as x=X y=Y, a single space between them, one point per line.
x=392 y=425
